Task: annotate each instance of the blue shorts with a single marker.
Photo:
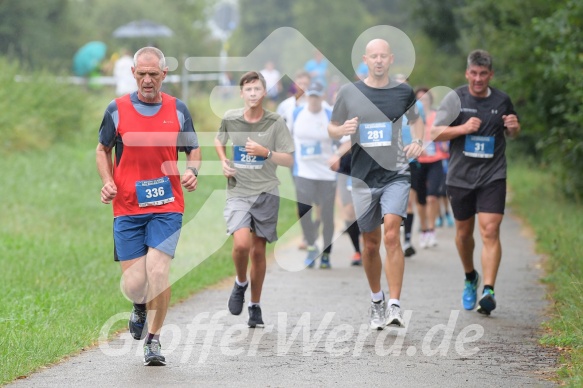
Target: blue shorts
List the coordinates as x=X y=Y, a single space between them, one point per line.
x=133 y=235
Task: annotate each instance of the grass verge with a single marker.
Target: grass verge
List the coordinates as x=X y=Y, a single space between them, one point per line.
x=558 y=226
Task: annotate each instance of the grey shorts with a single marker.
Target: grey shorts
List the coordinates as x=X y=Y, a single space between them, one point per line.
x=258 y=213
x=370 y=205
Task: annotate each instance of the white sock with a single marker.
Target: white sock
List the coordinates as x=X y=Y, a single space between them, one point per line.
x=394 y=302
x=251 y=304
x=241 y=284
x=377 y=296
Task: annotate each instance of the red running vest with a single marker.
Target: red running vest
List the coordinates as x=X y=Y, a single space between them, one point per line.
x=149 y=152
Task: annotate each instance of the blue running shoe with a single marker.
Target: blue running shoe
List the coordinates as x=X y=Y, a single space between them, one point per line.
x=487 y=303
x=449 y=219
x=470 y=295
x=137 y=322
x=153 y=355
x=439 y=222
x=312 y=256
x=325 y=261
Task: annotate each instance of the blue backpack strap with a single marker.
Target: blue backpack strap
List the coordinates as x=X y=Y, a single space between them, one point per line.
x=295 y=116
x=328 y=114
x=296 y=113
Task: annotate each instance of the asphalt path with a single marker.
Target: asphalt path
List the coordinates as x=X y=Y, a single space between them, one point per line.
x=316 y=330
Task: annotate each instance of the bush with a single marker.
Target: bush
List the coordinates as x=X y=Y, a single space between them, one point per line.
x=42 y=109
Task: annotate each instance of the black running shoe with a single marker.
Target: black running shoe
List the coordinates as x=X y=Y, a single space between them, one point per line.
x=409 y=250
x=237 y=299
x=255 y=318
x=137 y=323
x=487 y=303
x=153 y=355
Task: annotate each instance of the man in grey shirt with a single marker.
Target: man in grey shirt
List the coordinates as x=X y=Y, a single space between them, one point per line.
x=261 y=142
x=476 y=118
x=371 y=112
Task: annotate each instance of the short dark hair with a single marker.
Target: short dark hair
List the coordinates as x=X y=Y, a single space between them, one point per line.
x=424 y=90
x=480 y=58
x=251 y=76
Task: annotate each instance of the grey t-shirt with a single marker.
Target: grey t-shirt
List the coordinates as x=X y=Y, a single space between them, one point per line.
x=255 y=175
x=479 y=158
x=377 y=146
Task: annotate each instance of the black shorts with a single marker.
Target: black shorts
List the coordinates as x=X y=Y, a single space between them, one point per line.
x=414 y=167
x=465 y=203
x=430 y=178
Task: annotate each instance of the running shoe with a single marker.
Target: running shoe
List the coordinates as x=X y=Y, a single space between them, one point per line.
x=423 y=240
x=409 y=250
x=137 y=323
x=431 y=239
x=356 y=259
x=237 y=298
x=395 y=317
x=449 y=219
x=311 y=257
x=470 y=294
x=439 y=222
x=255 y=318
x=487 y=303
x=153 y=355
x=378 y=315
x=325 y=261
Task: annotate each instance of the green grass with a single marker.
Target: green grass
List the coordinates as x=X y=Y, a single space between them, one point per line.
x=58 y=279
x=558 y=225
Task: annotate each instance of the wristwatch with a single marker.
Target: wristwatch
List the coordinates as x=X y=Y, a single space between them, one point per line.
x=268 y=154
x=194 y=170
x=418 y=141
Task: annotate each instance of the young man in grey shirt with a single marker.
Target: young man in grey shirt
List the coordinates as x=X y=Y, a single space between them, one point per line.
x=260 y=143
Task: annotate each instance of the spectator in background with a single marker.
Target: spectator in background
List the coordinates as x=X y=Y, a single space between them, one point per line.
x=123 y=74
x=318 y=68
x=286 y=108
x=273 y=81
x=361 y=71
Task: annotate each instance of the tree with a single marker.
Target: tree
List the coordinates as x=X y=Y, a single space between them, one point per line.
x=559 y=55
x=33 y=34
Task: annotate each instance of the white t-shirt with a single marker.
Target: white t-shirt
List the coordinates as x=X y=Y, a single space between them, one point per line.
x=287 y=107
x=124 y=79
x=271 y=79
x=313 y=145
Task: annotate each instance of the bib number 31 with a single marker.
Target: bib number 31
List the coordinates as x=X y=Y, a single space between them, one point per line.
x=479 y=146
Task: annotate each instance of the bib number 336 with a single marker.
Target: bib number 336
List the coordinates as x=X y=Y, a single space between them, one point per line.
x=154 y=192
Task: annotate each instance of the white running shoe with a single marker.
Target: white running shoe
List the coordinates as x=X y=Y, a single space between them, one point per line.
x=395 y=318
x=431 y=240
x=378 y=314
x=423 y=240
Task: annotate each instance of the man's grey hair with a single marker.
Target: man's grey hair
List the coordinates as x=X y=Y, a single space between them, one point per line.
x=151 y=50
x=480 y=58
